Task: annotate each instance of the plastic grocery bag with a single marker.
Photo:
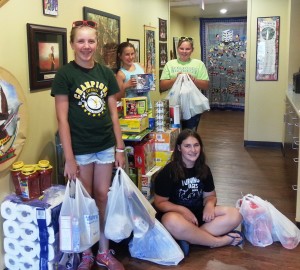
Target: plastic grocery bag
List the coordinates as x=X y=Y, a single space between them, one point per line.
x=257 y=221
x=264 y=224
x=69 y=261
x=79 y=227
x=127 y=209
x=118 y=224
x=283 y=229
x=186 y=94
x=157 y=246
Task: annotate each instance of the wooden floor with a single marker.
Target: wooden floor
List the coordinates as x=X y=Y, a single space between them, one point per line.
x=236 y=170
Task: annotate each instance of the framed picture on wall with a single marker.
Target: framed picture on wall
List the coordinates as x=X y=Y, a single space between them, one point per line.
x=108 y=27
x=47 y=52
x=267 y=48
x=50 y=7
x=136 y=44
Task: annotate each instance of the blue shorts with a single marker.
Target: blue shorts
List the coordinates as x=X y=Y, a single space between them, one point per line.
x=104 y=157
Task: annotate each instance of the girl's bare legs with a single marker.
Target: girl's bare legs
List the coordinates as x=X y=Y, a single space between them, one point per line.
x=212 y=234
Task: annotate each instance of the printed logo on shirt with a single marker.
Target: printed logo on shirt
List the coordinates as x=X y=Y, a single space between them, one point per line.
x=91 y=97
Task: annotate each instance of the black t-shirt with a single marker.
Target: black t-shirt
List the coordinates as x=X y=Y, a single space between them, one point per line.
x=187 y=192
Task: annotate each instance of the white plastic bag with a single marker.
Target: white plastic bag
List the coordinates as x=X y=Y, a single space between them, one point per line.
x=257 y=221
x=283 y=229
x=127 y=209
x=264 y=224
x=157 y=246
x=186 y=94
x=78 y=220
x=118 y=224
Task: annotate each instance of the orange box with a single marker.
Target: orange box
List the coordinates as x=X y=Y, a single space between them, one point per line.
x=144 y=155
x=165 y=141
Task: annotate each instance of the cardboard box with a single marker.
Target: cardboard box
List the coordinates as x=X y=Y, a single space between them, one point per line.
x=162 y=157
x=165 y=141
x=148 y=182
x=134 y=125
x=135 y=107
x=144 y=155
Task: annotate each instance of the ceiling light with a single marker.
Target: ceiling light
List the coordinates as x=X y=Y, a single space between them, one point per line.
x=223 y=10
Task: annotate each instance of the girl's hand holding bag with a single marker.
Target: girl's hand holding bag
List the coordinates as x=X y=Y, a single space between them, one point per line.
x=79 y=227
x=186 y=94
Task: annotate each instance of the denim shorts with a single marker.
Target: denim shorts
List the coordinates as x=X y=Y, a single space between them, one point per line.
x=104 y=157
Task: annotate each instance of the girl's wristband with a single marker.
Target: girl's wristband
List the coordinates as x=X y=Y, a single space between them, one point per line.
x=120 y=150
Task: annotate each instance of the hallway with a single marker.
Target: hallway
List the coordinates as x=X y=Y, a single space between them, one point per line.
x=237 y=170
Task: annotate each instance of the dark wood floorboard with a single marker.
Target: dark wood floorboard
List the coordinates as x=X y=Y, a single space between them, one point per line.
x=237 y=170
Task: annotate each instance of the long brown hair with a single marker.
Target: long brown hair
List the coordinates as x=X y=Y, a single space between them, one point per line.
x=120 y=50
x=178 y=164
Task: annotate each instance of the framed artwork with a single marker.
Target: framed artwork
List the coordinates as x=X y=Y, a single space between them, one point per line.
x=175 y=44
x=267 y=48
x=108 y=35
x=50 y=7
x=163 y=55
x=149 y=49
x=136 y=44
x=162 y=30
x=47 y=52
x=2 y=2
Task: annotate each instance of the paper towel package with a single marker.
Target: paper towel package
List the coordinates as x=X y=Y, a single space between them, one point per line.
x=31 y=231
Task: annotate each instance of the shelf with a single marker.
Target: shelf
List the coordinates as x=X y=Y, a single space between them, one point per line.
x=135 y=137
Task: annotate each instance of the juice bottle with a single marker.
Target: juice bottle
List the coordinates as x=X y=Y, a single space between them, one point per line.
x=29 y=183
x=45 y=171
x=15 y=174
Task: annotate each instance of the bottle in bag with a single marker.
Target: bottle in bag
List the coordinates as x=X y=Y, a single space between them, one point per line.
x=75 y=234
x=29 y=183
x=16 y=176
x=45 y=172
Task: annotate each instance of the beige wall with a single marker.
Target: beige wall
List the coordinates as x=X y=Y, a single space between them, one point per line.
x=264 y=106
x=14 y=58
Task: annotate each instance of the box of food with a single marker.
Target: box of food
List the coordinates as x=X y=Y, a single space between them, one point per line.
x=135 y=107
x=165 y=141
x=134 y=125
x=148 y=182
x=144 y=155
x=144 y=82
x=162 y=157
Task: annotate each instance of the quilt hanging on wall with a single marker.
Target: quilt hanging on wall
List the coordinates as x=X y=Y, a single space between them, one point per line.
x=223 y=50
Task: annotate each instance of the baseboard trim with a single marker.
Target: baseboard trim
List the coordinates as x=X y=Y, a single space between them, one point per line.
x=277 y=145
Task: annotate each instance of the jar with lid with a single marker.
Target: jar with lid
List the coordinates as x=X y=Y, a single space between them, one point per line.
x=45 y=172
x=29 y=183
x=15 y=173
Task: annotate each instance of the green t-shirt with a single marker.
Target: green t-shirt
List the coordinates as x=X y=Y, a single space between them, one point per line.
x=195 y=67
x=89 y=117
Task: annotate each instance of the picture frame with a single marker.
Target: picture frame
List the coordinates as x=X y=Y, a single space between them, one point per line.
x=137 y=46
x=163 y=54
x=150 y=53
x=50 y=7
x=267 y=48
x=47 y=52
x=108 y=27
x=162 y=29
x=175 y=45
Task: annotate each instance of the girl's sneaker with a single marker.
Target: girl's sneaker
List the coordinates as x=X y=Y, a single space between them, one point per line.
x=109 y=261
x=87 y=261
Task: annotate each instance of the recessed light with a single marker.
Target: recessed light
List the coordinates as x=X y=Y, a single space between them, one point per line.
x=223 y=10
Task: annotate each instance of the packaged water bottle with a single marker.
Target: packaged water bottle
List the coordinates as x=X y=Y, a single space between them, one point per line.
x=75 y=234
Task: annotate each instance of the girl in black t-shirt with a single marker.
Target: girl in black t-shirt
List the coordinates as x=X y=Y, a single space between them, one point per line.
x=186 y=201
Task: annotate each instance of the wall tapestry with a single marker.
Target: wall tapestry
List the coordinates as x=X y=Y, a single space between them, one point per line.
x=223 y=50
x=13 y=119
x=150 y=54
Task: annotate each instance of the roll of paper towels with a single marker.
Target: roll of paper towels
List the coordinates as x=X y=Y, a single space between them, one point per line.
x=29 y=263
x=25 y=213
x=9 y=210
x=11 y=229
x=11 y=262
x=11 y=246
x=29 y=231
x=29 y=249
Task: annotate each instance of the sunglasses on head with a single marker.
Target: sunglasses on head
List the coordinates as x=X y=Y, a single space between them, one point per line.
x=91 y=24
x=185 y=38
